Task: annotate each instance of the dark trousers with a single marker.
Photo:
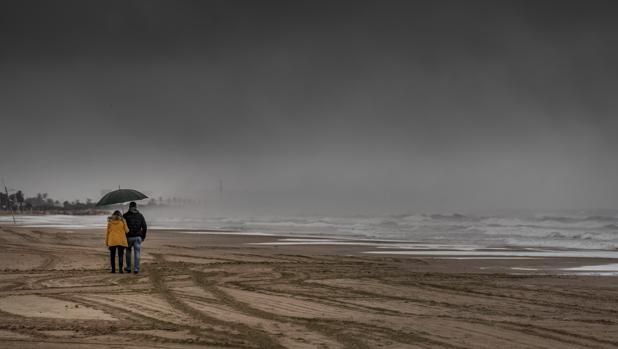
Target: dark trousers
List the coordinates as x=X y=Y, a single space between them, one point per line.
x=112 y=257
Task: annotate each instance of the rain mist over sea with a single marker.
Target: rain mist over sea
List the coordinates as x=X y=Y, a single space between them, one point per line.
x=376 y=120
x=549 y=229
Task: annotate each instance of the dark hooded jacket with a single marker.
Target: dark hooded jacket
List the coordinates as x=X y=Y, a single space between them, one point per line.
x=136 y=223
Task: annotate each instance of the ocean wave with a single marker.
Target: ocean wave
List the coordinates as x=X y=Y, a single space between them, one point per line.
x=454 y=217
x=562 y=231
x=570 y=220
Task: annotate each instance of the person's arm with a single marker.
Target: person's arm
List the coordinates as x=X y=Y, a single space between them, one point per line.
x=124 y=224
x=107 y=235
x=144 y=228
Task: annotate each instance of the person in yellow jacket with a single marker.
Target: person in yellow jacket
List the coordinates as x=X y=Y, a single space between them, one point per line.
x=116 y=239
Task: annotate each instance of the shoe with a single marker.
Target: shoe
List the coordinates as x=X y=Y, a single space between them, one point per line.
x=120 y=271
x=113 y=272
x=135 y=272
x=127 y=270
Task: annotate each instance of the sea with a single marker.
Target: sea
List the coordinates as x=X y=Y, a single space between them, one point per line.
x=577 y=230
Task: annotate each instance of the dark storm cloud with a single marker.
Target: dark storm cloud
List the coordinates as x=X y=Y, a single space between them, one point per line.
x=317 y=105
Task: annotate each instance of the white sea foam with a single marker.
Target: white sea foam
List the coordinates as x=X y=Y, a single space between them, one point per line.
x=551 y=230
x=570 y=254
x=316 y=242
x=373 y=243
x=214 y=232
x=595 y=273
x=596 y=268
x=477 y=257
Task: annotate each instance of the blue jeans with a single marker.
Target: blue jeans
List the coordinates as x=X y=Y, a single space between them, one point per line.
x=135 y=244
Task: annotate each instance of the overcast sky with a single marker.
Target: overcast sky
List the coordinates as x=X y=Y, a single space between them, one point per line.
x=314 y=105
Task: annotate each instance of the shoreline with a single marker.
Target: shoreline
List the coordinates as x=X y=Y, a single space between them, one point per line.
x=569 y=232
x=559 y=261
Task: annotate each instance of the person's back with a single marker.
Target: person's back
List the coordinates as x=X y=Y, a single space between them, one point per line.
x=136 y=223
x=116 y=231
x=136 y=235
x=116 y=239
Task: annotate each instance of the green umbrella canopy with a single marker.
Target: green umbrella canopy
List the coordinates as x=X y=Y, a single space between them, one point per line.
x=119 y=196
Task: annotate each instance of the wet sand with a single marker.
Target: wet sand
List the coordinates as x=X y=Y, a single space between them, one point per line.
x=225 y=291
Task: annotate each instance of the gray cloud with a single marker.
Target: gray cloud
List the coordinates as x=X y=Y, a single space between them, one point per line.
x=379 y=106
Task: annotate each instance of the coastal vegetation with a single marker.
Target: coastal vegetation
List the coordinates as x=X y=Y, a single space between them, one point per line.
x=41 y=203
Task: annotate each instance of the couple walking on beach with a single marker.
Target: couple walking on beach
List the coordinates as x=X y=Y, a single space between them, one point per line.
x=126 y=231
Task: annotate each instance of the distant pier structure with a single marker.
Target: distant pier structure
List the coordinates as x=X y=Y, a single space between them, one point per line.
x=220 y=192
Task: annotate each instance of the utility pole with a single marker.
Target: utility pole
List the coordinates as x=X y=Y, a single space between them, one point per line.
x=8 y=202
x=220 y=192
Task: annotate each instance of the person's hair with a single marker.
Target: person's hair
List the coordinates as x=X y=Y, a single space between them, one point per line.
x=116 y=213
x=132 y=204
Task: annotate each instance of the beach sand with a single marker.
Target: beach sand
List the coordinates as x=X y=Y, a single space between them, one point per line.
x=226 y=291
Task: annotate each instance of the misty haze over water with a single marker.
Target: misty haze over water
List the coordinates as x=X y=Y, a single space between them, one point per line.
x=582 y=230
x=321 y=109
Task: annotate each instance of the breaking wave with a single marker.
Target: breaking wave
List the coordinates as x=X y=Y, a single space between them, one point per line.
x=581 y=230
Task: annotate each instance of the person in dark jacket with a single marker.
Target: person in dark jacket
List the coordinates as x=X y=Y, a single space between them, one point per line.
x=136 y=235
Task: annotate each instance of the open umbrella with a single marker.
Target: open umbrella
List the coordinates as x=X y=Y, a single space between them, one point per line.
x=119 y=196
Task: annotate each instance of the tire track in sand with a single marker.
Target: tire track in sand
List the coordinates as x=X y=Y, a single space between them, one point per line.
x=249 y=337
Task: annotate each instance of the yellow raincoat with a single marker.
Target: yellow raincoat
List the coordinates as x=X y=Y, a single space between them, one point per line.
x=116 y=232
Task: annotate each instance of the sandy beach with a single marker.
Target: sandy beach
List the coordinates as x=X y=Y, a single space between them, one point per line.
x=235 y=291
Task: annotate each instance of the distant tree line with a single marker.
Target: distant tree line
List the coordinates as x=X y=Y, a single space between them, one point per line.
x=174 y=201
x=42 y=203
